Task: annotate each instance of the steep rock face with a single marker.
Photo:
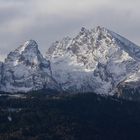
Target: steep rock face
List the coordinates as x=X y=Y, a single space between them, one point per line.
x=25 y=69
x=95 y=60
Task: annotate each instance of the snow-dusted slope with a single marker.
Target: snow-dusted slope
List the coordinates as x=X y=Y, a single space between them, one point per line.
x=95 y=60
x=25 y=69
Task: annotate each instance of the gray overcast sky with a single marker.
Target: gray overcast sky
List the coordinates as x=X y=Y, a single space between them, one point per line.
x=49 y=20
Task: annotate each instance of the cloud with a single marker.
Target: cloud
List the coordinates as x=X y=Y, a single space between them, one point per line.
x=50 y=20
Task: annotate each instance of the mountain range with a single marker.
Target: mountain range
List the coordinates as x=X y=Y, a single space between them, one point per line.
x=96 y=60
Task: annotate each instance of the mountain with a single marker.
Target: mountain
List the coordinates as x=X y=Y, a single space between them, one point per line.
x=96 y=60
x=25 y=69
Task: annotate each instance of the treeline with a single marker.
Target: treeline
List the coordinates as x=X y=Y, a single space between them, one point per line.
x=41 y=116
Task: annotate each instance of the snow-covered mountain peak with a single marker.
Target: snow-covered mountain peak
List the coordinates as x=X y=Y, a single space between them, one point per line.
x=30 y=45
x=96 y=59
x=27 y=54
x=98 y=42
x=25 y=69
x=84 y=40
